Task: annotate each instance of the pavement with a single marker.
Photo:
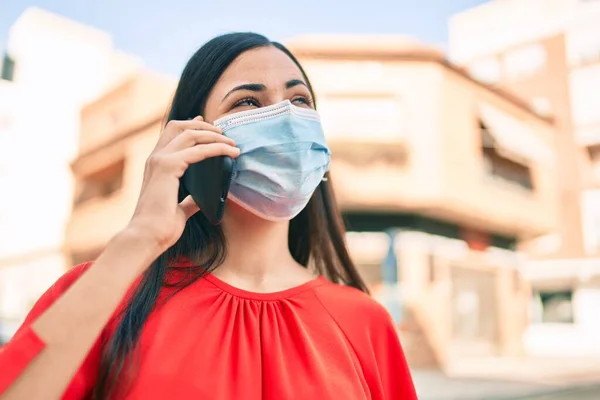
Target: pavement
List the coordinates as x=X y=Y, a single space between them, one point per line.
x=534 y=381
x=553 y=371
x=434 y=385
x=591 y=392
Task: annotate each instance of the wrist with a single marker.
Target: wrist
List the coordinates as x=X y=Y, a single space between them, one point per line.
x=133 y=246
x=127 y=255
x=143 y=235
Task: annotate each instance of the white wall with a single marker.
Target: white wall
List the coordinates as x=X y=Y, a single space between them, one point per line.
x=585 y=95
x=21 y=284
x=60 y=65
x=583 y=40
x=579 y=339
x=497 y=25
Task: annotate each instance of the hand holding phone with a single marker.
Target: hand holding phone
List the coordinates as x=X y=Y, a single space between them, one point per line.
x=208 y=183
x=182 y=144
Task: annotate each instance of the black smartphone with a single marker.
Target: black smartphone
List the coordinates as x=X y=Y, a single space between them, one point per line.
x=208 y=183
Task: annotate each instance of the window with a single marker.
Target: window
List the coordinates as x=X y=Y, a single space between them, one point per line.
x=100 y=184
x=525 y=61
x=8 y=68
x=500 y=167
x=557 y=307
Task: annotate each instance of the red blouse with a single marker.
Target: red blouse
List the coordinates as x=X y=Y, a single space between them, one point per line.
x=214 y=341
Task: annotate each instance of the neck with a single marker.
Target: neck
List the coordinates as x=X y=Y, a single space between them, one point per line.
x=256 y=248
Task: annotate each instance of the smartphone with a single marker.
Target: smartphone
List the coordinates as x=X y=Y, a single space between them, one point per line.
x=208 y=183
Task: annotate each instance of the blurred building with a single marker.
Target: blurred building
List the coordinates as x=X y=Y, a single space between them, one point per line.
x=458 y=171
x=548 y=52
x=51 y=67
x=118 y=132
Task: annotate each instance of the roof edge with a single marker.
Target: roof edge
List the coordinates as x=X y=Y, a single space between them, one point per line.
x=411 y=53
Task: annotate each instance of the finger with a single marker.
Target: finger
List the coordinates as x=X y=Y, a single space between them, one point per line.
x=175 y=127
x=199 y=124
x=188 y=207
x=191 y=137
x=201 y=152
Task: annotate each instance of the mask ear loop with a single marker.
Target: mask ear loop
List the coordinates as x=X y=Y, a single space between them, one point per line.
x=324 y=179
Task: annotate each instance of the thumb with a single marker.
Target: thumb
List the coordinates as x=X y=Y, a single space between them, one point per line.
x=188 y=207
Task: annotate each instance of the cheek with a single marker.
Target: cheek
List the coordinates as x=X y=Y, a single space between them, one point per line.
x=209 y=115
x=211 y=109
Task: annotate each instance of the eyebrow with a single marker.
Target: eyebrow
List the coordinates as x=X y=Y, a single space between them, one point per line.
x=295 y=82
x=259 y=87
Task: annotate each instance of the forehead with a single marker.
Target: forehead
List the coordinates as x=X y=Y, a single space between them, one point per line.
x=267 y=65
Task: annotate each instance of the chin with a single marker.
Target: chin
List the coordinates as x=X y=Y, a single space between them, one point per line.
x=234 y=211
x=239 y=213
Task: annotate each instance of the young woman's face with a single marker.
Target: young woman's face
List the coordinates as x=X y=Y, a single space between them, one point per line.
x=257 y=78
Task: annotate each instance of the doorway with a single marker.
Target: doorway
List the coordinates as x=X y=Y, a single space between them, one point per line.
x=474 y=312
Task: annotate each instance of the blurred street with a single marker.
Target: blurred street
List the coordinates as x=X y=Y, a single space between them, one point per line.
x=582 y=393
x=433 y=385
x=507 y=380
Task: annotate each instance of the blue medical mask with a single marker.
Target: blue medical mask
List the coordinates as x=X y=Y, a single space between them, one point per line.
x=283 y=158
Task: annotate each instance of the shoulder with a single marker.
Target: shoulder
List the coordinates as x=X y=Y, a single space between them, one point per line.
x=371 y=333
x=352 y=308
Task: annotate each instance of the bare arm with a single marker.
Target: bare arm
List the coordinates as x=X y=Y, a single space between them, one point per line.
x=70 y=327
x=72 y=324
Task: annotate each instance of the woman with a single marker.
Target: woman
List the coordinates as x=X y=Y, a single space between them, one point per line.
x=268 y=305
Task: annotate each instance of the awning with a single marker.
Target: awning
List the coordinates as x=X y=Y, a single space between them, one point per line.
x=514 y=138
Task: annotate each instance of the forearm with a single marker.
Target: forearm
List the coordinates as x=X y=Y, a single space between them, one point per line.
x=71 y=326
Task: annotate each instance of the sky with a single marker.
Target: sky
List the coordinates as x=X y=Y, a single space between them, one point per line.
x=165 y=33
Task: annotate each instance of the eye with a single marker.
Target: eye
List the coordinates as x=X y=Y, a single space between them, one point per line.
x=246 y=102
x=302 y=101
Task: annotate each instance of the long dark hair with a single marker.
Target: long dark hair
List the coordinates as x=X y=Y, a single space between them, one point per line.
x=316 y=235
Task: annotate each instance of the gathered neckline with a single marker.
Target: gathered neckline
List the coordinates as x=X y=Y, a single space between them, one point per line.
x=278 y=295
